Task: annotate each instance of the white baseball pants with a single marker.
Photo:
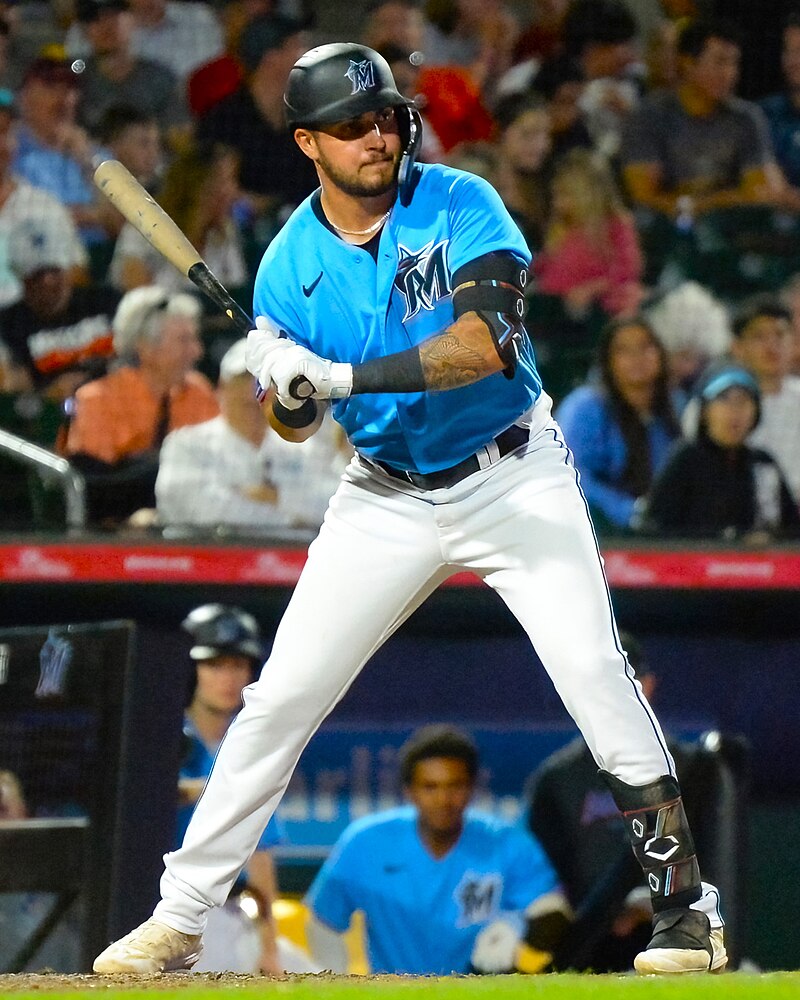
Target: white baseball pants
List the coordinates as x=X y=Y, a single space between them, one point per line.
x=522 y=526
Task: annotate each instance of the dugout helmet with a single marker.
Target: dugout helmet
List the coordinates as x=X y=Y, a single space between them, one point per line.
x=218 y=628
x=331 y=83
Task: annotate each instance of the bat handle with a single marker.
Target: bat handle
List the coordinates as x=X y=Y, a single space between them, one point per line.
x=301 y=388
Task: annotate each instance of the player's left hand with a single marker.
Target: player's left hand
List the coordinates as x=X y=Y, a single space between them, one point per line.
x=300 y=374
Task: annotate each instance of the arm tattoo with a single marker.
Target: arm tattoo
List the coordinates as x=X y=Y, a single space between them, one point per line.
x=448 y=363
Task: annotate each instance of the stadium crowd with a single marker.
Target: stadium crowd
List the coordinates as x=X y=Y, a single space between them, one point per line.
x=648 y=152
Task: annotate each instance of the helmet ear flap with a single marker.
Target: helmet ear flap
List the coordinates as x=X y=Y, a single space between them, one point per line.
x=410 y=123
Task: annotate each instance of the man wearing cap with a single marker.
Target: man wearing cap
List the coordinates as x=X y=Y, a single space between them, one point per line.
x=235 y=470
x=114 y=75
x=20 y=201
x=252 y=119
x=179 y=36
x=54 y=152
x=59 y=334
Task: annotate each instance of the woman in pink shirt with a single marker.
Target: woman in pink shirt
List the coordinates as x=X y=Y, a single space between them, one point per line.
x=591 y=252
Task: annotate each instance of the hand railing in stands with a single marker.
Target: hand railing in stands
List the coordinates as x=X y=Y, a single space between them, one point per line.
x=50 y=466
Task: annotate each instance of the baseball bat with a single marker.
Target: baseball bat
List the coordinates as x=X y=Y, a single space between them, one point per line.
x=128 y=196
x=130 y=199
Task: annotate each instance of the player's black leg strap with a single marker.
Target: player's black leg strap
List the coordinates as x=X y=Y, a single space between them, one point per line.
x=661 y=839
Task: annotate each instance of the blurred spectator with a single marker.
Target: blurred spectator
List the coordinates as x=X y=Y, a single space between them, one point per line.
x=114 y=75
x=698 y=148
x=443 y=889
x=561 y=83
x=621 y=429
x=199 y=192
x=543 y=38
x=134 y=138
x=58 y=336
x=661 y=56
x=409 y=77
x=783 y=109
x=521 y=171
x=251 y=120
x=35 y=28
x=235 y=470
x=471 y=33
x=591 y=250
x=20 y=201
x=694 y=328
x=55 y=153
x=716 y=485
x=395 y=22
x=180 y=36
x=601 y=36
x=790 y=297
x=120 y=420
x=763 y=341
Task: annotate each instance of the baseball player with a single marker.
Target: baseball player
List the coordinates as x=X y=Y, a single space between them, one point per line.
x=394 y=293
x=227 y=650
x=442 y=888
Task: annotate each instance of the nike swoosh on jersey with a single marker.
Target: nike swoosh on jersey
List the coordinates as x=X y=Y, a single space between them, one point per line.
x=308 y=289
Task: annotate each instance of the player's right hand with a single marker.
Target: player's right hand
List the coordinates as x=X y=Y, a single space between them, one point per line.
x=264 y=344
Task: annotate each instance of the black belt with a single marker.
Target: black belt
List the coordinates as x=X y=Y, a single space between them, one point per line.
x=510 y=439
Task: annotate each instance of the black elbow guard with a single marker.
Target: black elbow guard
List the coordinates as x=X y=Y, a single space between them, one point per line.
x=492 y=286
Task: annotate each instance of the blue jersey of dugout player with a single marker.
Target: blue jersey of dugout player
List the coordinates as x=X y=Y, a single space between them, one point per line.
x=443 y=889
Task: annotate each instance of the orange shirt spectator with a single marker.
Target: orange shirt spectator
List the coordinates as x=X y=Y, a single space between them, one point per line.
x=117 y=416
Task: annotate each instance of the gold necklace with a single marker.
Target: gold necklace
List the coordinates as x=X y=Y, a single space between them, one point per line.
x=363 y=232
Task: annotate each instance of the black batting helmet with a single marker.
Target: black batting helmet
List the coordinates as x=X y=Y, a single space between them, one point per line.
x=331 y=83
x=217 y=629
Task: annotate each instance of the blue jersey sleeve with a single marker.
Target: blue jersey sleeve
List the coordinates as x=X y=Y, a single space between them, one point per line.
x=330 y=897
x=272 y=836
x=529 y=873
x=480 y=223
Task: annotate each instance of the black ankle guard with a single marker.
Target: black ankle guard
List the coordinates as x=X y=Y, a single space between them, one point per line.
x=661 y=839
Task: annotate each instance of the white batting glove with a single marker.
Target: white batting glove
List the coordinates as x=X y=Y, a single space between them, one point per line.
x=299 y=374
x=262 y=345
x=495 y=948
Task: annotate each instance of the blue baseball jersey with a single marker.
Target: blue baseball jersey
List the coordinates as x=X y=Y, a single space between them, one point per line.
x=345 y=305
x=422 y=914
x=198 y=759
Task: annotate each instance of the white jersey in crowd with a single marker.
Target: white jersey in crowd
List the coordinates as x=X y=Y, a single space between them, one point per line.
x=205 y=469
x=222 y=252
x=778 y=430
x=29 y=202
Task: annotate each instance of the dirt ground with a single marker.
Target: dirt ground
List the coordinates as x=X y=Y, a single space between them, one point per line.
x=54 y=982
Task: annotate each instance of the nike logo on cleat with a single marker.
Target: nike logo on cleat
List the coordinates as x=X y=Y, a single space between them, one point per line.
x=308 y=289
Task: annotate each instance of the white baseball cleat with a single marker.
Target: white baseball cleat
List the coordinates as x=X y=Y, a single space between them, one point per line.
x=150 y=949
x=683 y=941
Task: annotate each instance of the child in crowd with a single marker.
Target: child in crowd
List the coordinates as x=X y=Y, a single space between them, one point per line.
x=716 y=485
x=591 y=251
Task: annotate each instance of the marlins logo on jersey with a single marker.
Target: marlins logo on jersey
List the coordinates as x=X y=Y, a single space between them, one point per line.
x=478 y=897
x=361 y=75
x=422 y=277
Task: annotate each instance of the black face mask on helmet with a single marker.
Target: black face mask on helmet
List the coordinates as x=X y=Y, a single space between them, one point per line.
x=333 y=83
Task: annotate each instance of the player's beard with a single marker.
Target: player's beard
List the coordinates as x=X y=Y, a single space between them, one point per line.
x=355 y=184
